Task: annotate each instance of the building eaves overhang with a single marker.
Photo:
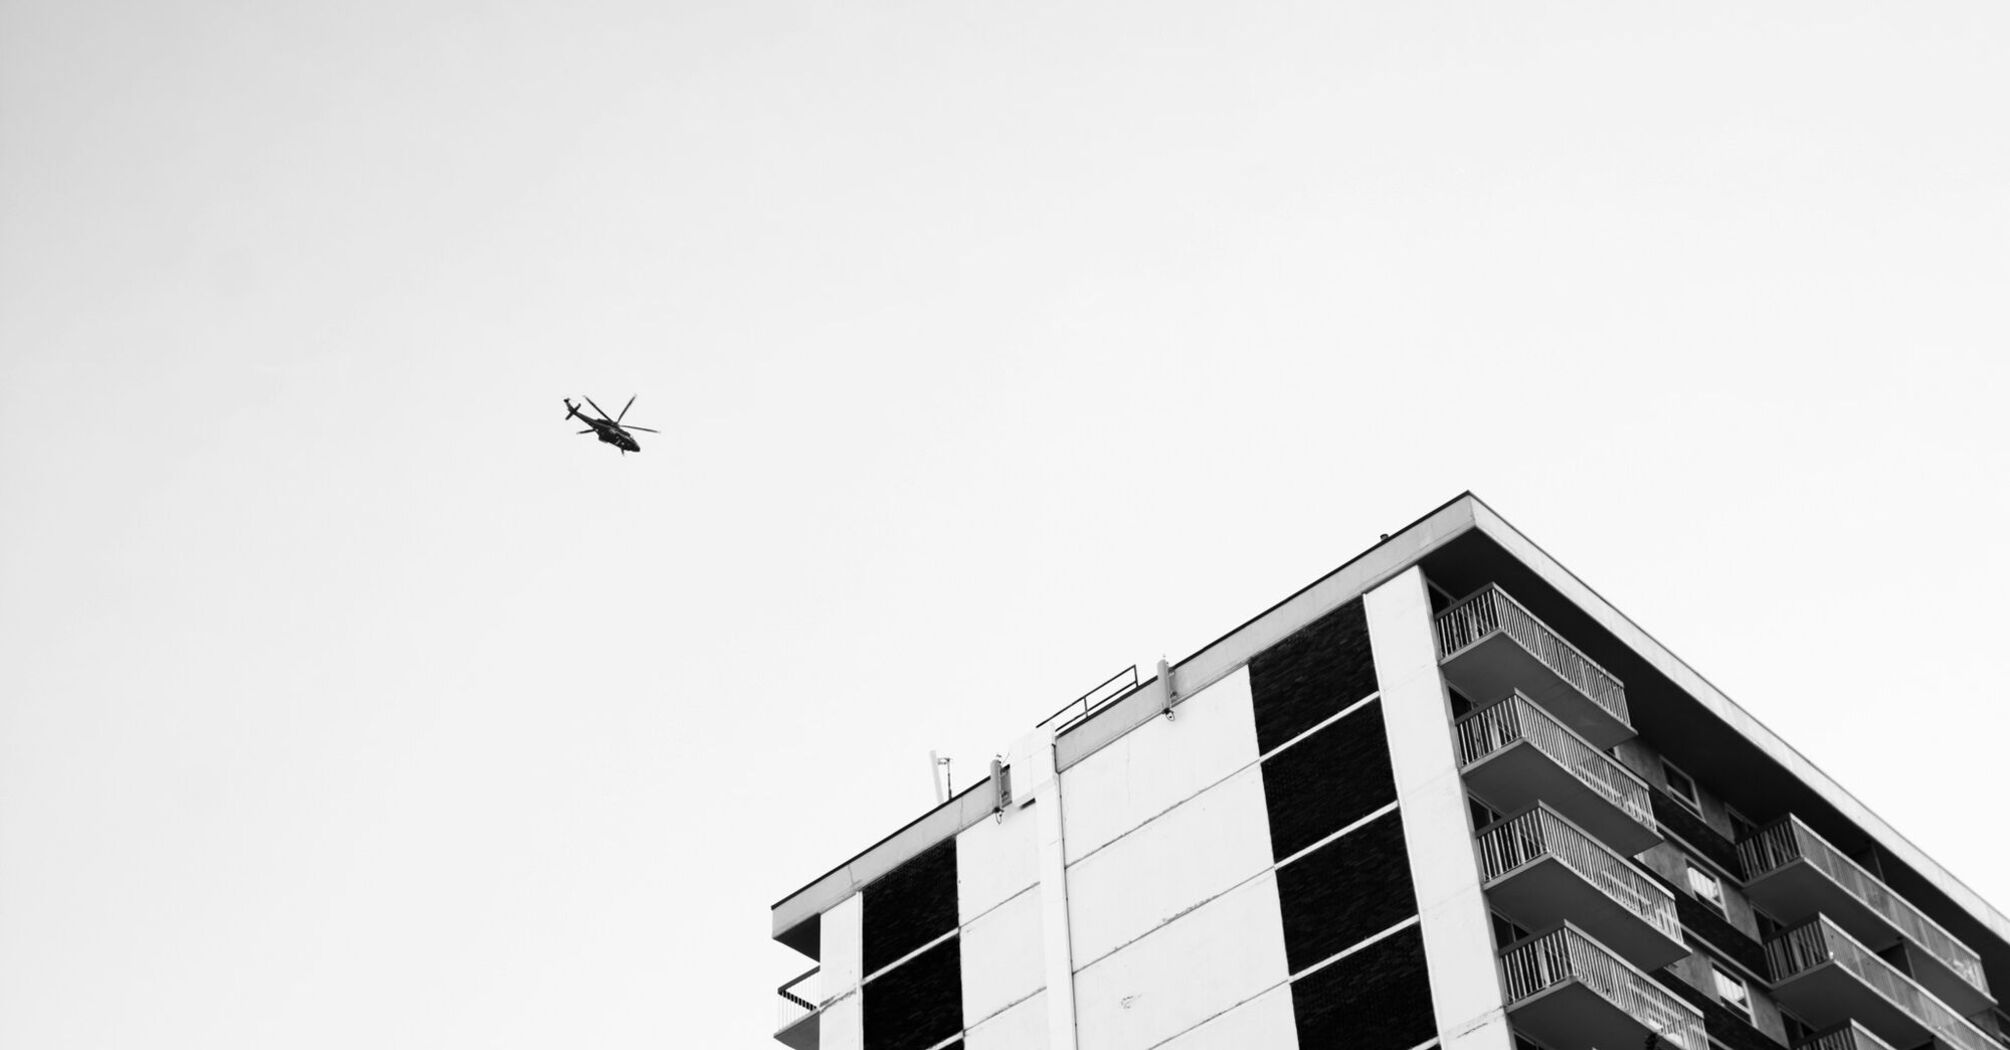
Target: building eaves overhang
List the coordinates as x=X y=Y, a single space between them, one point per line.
x=1427 y=540
x=1698 y=690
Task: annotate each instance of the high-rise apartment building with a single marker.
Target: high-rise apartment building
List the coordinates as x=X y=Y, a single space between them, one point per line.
x=1444 y=795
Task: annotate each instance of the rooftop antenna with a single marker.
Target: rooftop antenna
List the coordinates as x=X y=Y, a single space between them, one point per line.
x=942 y=785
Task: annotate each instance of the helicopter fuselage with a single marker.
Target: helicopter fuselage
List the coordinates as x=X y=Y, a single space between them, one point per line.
x=607 y=430
x=615 y=436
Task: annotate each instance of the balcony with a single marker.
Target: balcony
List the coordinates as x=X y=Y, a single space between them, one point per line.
x=1514 y=754
x=797 y=1012
x=1826 y=977
x=1794 y=874
x=1566 y=991
x=1994 y=1024
x=1851 y=1036
x=1539 y=870
x=1490 y=646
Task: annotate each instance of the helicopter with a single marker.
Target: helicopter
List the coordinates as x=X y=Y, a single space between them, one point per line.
x=612 y=431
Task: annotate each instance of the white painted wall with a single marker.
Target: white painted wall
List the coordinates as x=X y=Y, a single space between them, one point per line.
x=1222 y=954
x=1022 y=1027
x=842 y=1026
x=1197 y=850
x=841 y=965
x=1458 y=939
x=1264 y=1023
x=1004 y=958
x=1159 y=764
x=1033 y=765
x=841 y=944
x=994 y=861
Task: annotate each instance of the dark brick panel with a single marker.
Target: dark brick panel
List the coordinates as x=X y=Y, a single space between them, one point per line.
x=1675 y=817
x=1327 y=781
x=910 y=906
x=1725 y=1026
x=1710 y=927
x=1379 y=998
x=917 y=1004
x=1345 y=891
x=1305 y=678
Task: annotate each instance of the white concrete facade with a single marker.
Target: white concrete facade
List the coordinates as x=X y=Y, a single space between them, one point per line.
x=1217 y=957
x=1265 y=1021
x=1168 y=846
x=1004 y=957
x=1191 y=854
x=842 y=1026
x=1019 y=1027
x=1458 y=939
x=996 y=861
x=1160 y=765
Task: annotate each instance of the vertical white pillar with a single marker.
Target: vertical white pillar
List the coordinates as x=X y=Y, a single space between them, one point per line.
x=1036 y=783
x=841 y=962
x=1458 y=939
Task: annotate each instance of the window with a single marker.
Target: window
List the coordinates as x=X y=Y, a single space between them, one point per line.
x=1506 y=932
x=1682 y=788
x=1768 y=929
x=1731 y=991
x=1741 y=827
x=1705 y=887
x=1483 y=814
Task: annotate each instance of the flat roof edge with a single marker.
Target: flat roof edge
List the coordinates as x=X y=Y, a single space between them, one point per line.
x=1206 y=665
x=969 y=806
x=1222 y=657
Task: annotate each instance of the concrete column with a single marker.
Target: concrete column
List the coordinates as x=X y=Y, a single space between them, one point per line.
x=841 y=960
x=1458 y=936
x=1036 y=783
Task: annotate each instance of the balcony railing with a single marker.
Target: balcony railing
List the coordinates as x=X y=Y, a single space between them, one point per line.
x=1490 y=611
x=1565 y=956
x=1541 y=833
x=1815 y=944
x=1789 y=840
x=1495 y=727
x=797 y=1001
x=1995 y=1024
x=1851 y=1036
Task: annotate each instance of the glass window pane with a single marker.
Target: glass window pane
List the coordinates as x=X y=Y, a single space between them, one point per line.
x=1705 y=886
x=1731 y=990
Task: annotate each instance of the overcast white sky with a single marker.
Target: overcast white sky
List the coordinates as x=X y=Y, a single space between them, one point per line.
x=350 y=699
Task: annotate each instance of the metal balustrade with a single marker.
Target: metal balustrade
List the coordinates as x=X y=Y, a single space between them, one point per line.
x=1820 y=942
x=1997 y=1026
x=798 y=1000
x=1490 y=610
x=1566 y=955
x=1851 y=1036
x=1789 y=840
x=1489 y=729
x=1541 y=833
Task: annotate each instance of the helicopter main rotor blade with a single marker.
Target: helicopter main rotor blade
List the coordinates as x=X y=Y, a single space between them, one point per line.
x=597 y=408
x=626 y=407
x=648 y=430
